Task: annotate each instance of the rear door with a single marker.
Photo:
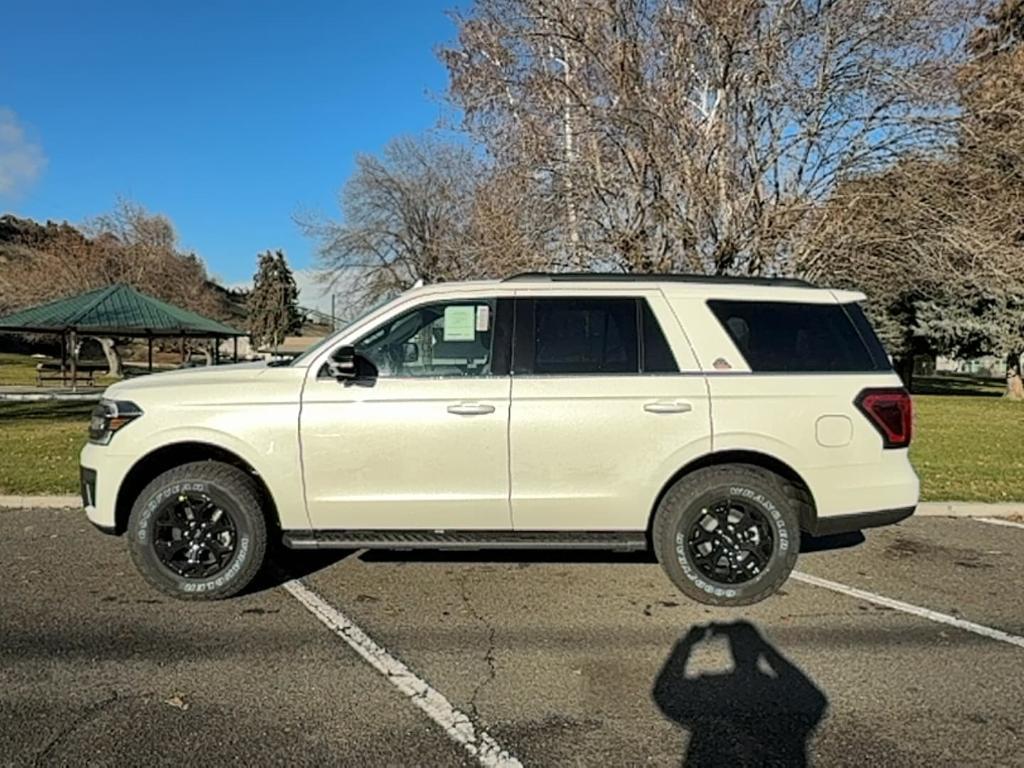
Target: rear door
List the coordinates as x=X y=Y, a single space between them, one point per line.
x=607 y=403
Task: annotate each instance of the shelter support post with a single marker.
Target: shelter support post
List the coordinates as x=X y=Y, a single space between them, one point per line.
x=150 y=354
x=74 y=360
x=235 y=338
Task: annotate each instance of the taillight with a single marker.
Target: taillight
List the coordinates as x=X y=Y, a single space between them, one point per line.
x=890 y=412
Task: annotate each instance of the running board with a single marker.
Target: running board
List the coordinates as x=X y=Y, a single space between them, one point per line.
x=625 y=541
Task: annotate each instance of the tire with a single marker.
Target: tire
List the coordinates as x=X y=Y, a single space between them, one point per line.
x=710 y=499
x=183 y=547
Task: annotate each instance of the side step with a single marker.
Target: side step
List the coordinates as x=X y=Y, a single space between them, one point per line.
x=623 y=541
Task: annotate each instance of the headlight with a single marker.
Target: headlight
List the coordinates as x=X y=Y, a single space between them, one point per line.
x=110 y=416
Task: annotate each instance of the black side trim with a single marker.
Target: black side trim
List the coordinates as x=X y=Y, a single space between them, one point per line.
x=428 y=539
x=826 y=526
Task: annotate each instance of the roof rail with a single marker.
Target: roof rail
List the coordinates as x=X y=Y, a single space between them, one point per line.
x=629 y=277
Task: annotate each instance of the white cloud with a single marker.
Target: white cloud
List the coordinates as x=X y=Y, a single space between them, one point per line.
x=21 y=159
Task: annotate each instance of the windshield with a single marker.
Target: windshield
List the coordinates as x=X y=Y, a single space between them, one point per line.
x=312 y=350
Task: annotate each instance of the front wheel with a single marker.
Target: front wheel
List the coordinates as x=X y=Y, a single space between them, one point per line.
x=727 y=535
x=197 y=532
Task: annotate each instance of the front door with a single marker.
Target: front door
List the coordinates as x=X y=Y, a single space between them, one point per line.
x=423 y=444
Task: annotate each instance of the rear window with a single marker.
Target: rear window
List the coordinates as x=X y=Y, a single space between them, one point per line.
x=789 y=337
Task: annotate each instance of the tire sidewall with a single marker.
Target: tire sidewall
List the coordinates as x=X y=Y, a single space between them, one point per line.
x=143 y=523
x=685 y=508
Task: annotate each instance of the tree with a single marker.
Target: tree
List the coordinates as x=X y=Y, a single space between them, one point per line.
x=274 y=302
x=700 y=135
x=425 y=210
x=937 y=240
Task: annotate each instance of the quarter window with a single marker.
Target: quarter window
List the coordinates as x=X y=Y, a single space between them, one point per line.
x=791 y=337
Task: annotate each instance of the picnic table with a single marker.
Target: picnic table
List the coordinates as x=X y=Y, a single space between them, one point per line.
x=54 y=371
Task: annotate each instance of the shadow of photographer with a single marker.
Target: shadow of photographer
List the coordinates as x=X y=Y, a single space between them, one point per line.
x=761 y=712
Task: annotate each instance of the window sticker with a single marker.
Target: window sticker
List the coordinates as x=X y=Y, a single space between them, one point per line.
x=459 y=323
x=483 y=318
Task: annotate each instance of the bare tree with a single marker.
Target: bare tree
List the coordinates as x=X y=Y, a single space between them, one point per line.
x=423 y=210
x=699 y=135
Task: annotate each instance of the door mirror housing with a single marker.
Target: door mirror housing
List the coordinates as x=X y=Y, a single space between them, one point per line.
x=346 y=365
x=410 y=352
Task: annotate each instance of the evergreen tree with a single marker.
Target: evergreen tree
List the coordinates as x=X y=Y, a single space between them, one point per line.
x=273 y=303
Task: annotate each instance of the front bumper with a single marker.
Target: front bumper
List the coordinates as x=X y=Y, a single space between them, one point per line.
x=101 y=473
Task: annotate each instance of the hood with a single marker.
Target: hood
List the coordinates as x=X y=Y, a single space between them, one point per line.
x=218 y=376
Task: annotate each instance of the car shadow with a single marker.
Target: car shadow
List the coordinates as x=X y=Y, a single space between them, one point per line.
x=285 y=564
x=763 y=711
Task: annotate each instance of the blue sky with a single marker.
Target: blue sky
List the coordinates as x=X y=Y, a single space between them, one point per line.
x=228 y=117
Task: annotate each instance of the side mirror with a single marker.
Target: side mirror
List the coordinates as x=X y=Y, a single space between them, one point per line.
x=410 y=352
x=344 y=364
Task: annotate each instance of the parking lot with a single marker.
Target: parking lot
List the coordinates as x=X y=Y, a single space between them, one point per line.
x=910 y=652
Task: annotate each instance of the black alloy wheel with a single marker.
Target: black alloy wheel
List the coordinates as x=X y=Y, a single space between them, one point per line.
x=731 y=542
x=194 y=537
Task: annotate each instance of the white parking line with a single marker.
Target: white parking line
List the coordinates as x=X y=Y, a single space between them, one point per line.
x=458 y=725
x=997 y=521
x=899 y=605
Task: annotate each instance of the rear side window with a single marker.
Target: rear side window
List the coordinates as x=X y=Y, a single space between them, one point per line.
x=789 y=337
x=587 y=336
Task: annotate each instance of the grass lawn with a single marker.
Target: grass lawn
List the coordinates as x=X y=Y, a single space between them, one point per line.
x=39 y=445
x=967 y=446
x=20 y=370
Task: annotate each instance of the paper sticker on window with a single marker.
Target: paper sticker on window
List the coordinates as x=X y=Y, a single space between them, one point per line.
x=483 y=318
x=459 y=323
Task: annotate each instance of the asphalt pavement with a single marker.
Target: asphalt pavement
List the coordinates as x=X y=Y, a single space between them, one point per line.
x=907 y=649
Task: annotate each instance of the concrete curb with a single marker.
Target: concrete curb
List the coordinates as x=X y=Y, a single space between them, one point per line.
x=924 y=509
x=41 y=502
x=968 y=509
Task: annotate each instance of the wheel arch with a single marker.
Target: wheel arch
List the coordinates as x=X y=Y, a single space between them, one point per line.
x=167 y=457
x=802 y=494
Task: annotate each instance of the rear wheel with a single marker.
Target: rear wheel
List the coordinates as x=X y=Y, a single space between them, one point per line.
x=197 y=532
x=728 y=535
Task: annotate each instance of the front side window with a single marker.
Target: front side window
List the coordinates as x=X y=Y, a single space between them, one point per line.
x=446 y=339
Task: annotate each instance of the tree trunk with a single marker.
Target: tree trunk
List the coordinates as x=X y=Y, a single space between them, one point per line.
x=1014 y=385
x=114 y=367
x=905 y=369
x=208 y=354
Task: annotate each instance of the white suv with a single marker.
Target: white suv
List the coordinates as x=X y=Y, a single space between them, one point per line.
x=709 y=419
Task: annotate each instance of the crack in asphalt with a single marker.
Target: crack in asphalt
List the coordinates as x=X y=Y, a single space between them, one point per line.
x=90 y=712
x=492 y=670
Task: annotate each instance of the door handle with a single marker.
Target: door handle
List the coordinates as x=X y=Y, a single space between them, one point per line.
x=470 y=409
x=668 y=406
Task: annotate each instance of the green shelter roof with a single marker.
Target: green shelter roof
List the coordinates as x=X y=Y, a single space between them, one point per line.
x=117 y=310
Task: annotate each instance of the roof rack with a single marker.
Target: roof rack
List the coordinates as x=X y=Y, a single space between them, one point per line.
x=629 y=277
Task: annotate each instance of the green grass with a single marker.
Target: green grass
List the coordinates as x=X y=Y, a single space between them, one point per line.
x=20 y=371
x=39 y=445
x=17 y=370
x=966 y=447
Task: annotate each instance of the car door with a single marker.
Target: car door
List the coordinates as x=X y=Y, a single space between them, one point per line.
x=423 y=443
x=607 y=404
